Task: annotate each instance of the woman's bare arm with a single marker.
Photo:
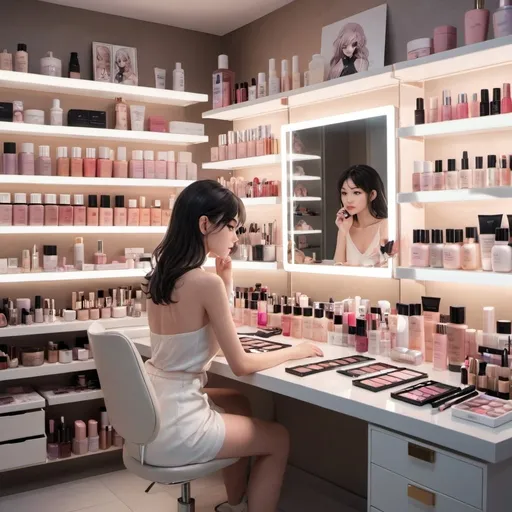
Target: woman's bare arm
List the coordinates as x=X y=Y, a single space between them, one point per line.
x=340 y=256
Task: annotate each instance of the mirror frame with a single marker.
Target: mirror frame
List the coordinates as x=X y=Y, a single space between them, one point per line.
x=390 y=112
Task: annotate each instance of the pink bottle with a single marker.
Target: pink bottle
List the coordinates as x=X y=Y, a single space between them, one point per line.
x=223 y=83
x=44 y=162
x=156 y=213
x=121 y=165
x=77 y=162
x=166 y=214
x=476 y=24
x=479 y=175
x=463 y=106
x=51 y=210
x=446 y=113
x=171 y=165
x=420 y=250
x=5 y=209
x=79 y=210
x=62 y=161
x=20 y=210
x=475 y=106
x=439 y=178
x=120 y=214
x=26 y=165
x=149 y=165
x=106 y=212
x=433 y=111
x=506 y=102
x=90 y=163
x=145 y=215
x=161 y=166
x=105 y=164
x=416 y=175
x=441 y=347
x=136 y=165
x=133 y=213
x=93 y=214
x=445 y=38
x=9 y=160
x=36 y=210
x=65 y=210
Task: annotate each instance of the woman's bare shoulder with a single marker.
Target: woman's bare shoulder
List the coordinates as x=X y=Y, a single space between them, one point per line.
x=200 y=279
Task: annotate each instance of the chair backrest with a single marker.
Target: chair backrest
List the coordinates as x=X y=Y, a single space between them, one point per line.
x=130 y=399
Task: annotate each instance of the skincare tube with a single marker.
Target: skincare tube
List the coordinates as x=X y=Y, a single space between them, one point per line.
x=137 y=117
x=432 y=318
x=159 y=78
x=488 y=226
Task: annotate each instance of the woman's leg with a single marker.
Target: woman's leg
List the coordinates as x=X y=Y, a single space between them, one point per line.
x=235 y=476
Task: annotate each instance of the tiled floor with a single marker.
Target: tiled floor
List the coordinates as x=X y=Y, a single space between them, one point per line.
x=114 y=492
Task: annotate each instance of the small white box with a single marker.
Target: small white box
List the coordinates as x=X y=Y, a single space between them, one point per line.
x=184 y=157
x=484 y=409
x=186 y=128
x=3 y=265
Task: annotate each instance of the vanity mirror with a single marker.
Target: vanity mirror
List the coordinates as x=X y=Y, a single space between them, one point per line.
x=339 y=211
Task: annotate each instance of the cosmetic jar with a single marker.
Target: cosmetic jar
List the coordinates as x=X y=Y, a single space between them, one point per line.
x=83 y=354
x=34 y=116
x=445 y=38
x=68 y=315
x=53 y=355
x=419 y=48
x=269 y=253
x=32 y=356
x=406 y=355
x=65 y=355
x=119 y=312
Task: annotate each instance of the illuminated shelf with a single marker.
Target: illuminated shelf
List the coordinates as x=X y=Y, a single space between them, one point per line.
x=58 y=85
x=247 y=265
x=88 y=454
x=261 y=201
x=306 y=178
x=71 y=397
x=39 y=277
x=487 y=124
x=475 y=277
x=83 y=230
x=445 y=196
x=103 y=134
x=305 y=199
x=8 y=179
x=298 y=232
x=257 y=161
x=26 y=372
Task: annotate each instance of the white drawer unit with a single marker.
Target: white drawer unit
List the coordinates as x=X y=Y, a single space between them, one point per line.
x=390 y=492
x=20 y=425
x=19 y=453
x=429 y=467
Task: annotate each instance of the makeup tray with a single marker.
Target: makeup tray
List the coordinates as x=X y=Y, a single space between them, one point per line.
x=484 y=409
x=389 y=380
x=369 y=369
x=424 y=393
x=255 y=345
x=304 y=370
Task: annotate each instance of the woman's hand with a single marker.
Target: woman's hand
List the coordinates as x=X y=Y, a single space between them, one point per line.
x=223 y=268
x=305 y=350
x=342 y=222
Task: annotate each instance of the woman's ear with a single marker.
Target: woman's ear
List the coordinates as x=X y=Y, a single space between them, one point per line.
x=203 y=224
x=373 y=195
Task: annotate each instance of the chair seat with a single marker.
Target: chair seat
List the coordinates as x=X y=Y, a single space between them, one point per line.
x=174 y=475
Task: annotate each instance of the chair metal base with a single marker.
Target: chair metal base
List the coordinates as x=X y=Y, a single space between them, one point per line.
x=185 y=503
x=187 y=507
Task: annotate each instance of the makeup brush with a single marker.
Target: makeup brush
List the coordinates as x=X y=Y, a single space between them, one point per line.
x=458 y=401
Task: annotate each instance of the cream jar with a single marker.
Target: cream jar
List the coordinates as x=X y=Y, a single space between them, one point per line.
x=419 y=48
x=32 y=356
x=33 y=116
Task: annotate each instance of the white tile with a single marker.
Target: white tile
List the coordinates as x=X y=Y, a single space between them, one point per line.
x=114 y=506
x=69 y=497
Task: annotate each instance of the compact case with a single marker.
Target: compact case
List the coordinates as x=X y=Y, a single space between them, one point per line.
x=424 y=393
x=362 y=371
x=304 y=370
x=484 y=409
x=389 y=380
x=252 y=345
x=87 y=118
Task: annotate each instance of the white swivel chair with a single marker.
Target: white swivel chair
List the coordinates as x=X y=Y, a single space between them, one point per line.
x=134 y=413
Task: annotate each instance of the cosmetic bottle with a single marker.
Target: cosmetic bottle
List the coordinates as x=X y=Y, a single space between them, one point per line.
x=262 y=85
x=286 y=320
x=65 y=210
x=436 y=249
x=20 y=210
x=402 y=326
x=253 y=90
x=167 y=213
x=145 y=214
x=476 y=23
x=273 y=80
x=223 y=81
x=295 y=72
x=50 y=259
x=452 y=176
x=296 y=329
x=439 y=178
x=496 y=101
x=5 y=209
x=374 y=338
x=120 y=164
x=474 y=107
x=56 y=113
x=479 y=174
x=104 y=163
x=76 y=163
x=178 y=77
x=427 y=177
x=463 y=106
x=50 y=65
x=79 y=210
x=484 y=103
x=456 y=331
x=92 y=211
x=79 y=253
x=361 y=337
x=419 y=113
x=156 y=213
x=433 y=111
x=319 y=326
x=171 y=165
x=74 y=66
x=420 y=250
x=106 y=214
x=80 y=441
x=62 y=161
x=241 y=144
x=51 y=210
x=133 y=213
x=136 y=165
x=307 y=323
x=488 y=226
x=100 y=258
x=21 y=59
x=465 y=174
x=43 y=166
x=501 y=253
x=471 y=250
x=441 y=348
x=36 y=210
x=452 y=251
x=416 y=175
x=9 y=160
x=274 y=317
x=492 y=172
x=446 y=113
x=285 y=76
x=103 y=437
x=26 y=159
x=416 y=328
x=120 y=213
x=90 y=163
x=502 y=19
x=6 y=61
x=161 y=165
x=504 y=172
x=506 y=101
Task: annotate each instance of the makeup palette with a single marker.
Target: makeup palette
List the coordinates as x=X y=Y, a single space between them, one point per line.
x=322 y=366
x=484 y=409
x=255 y=345
x=389 y=380
x=363 y=371
x=424 y=393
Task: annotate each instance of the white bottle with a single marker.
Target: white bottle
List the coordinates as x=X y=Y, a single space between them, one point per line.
x=436 y=249
x=374 y=336
x=50 y=65
x=501 y=254
x=56 y=114
x=274 y=86
x=253 y=90
x=178 y=78
x=427 y=177
x=465 y=174
x=262 y=85
x=285 y=76
x=295 y=72
x=316 y=70
x=79 y=253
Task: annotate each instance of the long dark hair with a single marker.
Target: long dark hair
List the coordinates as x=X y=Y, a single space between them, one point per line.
x=182 y=248
x=367 y=178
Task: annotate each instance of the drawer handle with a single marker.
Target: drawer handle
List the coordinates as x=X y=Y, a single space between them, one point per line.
x=426 y=497
x=421 y=453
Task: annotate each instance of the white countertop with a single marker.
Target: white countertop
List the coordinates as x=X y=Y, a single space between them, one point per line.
x=336 y=392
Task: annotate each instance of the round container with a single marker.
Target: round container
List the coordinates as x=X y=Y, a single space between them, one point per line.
x=419 y=48
x=34 y=116
x=445 y=38
x=32 y=356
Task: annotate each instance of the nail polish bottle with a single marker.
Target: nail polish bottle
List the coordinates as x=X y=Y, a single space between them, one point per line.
x=44 y=162
x=433 y=112
x=5 y=209
x=65 y=210
x=9 y=160
x=120 y=213
x=506 y=101
x=104 y=167
x=145 y=214
x=446 y=113
x=496 y=101
x=62 y=161
x=436 y=249
x=136 y=165
x=36 y=210
x=90 y=163
x=79 y=210
x=463 y=106
x=427 y=177
x=439 y=178
x=419 y=113
x=20 y=210
x=133 y=213
x=484 y=103
x=51 y=210
x=479 y=175
x=474 y=108
x=156 y=213
x=452 y=176
x=92 y=211
x=493 y=173
x=149 y=165
x=465 y=174
x=106 y=214
x=77 y=162
x=26 y=165
x=418 y=169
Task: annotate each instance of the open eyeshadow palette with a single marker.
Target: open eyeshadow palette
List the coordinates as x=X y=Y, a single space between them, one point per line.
x=484 y=409
x=362 y=371
x=322 y=366
x=255 y=345
x=389 y=380
x=424 y=392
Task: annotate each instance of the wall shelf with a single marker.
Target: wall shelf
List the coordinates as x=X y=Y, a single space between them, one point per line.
x=257 y=161
x=40 y=277
x=90 y=88
x=305 y=177
x=305 y=199
x=261 y=201
x=102 y=134
x=27 y=372
x=84 y=230
x=71 y=397
x=16 y=179
x=247 y=265
x=474 y=277
x=88 y=454
x=446 y=196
